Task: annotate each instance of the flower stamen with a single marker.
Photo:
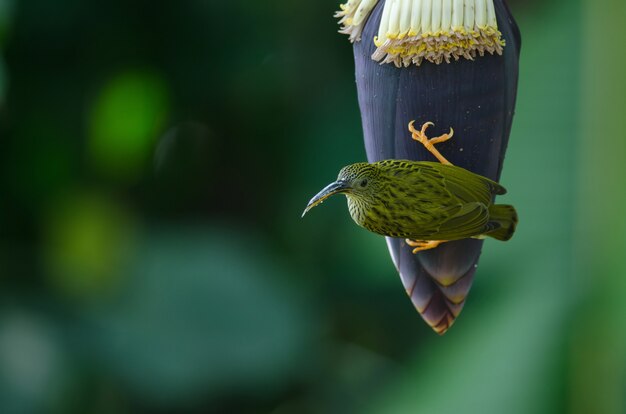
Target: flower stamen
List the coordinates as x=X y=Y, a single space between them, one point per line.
x=353 y=16
x=412 y=31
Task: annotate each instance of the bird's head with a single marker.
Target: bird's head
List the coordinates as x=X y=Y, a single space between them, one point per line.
x=360 y=182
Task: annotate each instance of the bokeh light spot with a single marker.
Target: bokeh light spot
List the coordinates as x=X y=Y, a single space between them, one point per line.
x=125 y=122
x=32 y=363
x=198 y=320
x=89 y=240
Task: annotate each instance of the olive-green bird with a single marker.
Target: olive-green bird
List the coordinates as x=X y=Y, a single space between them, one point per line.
x=426 y=203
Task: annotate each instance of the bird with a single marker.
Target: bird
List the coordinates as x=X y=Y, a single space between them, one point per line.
x=426 y=203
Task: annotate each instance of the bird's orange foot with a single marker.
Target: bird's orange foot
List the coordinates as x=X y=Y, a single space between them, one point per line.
x=423 y=244
x=429 y=144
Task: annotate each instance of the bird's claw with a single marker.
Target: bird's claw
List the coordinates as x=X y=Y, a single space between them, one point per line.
x=421 y=245
x=429 y=144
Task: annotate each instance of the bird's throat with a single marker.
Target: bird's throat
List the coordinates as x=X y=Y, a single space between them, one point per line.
x=357 y=209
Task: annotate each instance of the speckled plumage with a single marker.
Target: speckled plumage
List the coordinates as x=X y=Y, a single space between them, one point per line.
x=423 y=200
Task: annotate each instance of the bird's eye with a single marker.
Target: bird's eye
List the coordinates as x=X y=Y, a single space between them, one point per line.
x=363 y=183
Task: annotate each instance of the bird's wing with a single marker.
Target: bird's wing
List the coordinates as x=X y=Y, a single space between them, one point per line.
x=452 y=203
x=470 y=220
x=463 y=184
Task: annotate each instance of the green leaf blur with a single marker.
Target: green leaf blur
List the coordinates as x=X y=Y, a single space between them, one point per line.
x=126 y=118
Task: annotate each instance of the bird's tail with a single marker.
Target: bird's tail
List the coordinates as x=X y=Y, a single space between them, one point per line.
x=506 y=217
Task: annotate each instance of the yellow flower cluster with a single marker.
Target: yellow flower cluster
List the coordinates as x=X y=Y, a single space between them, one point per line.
x=412 y=31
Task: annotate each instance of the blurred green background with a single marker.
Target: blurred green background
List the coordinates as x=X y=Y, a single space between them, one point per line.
x=155 y=159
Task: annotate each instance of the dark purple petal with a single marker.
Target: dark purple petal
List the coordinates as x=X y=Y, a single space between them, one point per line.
x=477 y=99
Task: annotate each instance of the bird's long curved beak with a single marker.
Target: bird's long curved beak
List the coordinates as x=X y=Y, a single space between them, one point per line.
x=331 y=189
